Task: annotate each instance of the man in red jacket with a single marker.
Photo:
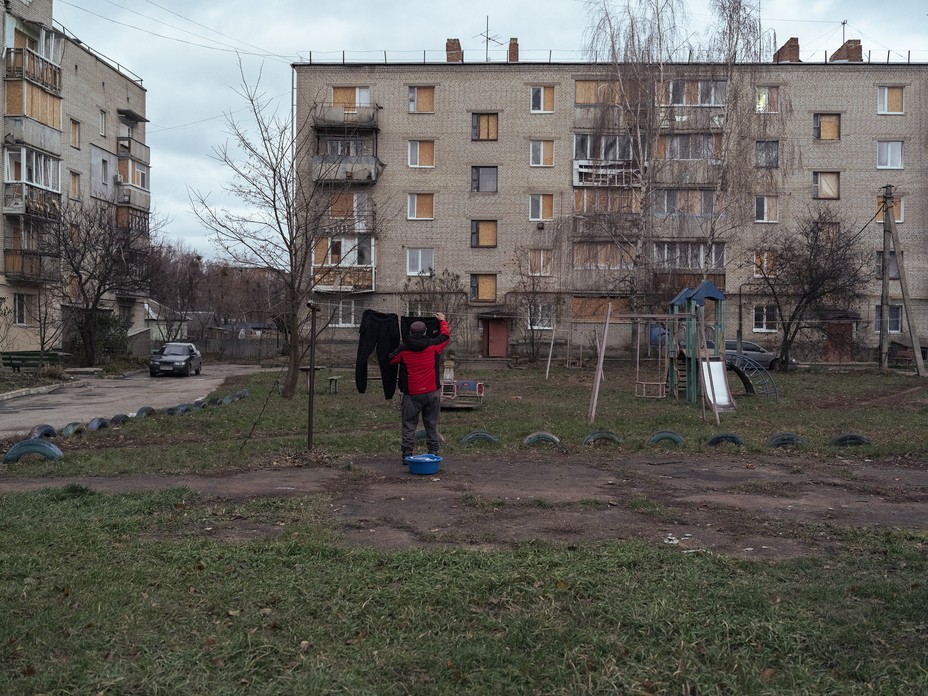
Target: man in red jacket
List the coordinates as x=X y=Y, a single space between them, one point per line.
x=419 y=358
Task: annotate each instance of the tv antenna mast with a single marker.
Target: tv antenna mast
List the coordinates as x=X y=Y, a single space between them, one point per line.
x=487 y=39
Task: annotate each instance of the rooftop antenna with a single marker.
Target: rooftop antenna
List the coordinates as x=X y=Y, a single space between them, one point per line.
x=487 y=39
x=843 y=25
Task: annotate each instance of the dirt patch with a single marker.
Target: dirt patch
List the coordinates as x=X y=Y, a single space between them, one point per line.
x=770 y=506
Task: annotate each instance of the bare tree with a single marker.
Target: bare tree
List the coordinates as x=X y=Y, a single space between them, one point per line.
x=818 y=265
x=177 y=282
x=284 y=211
x=102 y=249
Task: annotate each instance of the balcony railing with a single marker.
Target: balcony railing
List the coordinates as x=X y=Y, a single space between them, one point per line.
x=133 y=149
x=333 y=116
x=27 y=131
x=23 y=63
x=27 y=266
x=334 y=168
x=134 y=196
x=343 y=279
x=20 y=198
x=605 y=173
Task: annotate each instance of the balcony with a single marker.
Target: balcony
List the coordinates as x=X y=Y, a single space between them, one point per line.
x=689 y=172
x=133 y=196
x=337 y=168
x=23 y=63
x=133 y=149
x=20 y=198
x=680 y=119
x=605 y=173
x=27 y=266
x=333 y=117
x=343 y=279
x=26 y=131
x=132 y=222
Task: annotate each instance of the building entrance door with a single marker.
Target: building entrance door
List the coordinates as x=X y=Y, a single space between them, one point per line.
x=495 y=338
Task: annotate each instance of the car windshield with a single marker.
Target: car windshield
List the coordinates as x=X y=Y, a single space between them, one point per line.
x=175 y=349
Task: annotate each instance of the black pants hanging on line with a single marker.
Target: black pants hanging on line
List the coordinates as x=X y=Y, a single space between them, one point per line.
x=381 y=332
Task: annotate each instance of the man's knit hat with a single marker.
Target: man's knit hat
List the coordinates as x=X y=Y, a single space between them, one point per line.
x=417 y=327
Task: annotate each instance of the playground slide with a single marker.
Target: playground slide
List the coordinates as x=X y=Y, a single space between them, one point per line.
x=715 y=384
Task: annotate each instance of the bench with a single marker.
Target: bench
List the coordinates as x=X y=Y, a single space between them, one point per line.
x=30 y=359
x=903 y=356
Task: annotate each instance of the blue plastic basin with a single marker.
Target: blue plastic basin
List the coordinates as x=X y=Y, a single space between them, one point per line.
x=424 y=464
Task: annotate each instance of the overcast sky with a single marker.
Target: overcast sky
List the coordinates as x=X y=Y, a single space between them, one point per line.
x=187 y=54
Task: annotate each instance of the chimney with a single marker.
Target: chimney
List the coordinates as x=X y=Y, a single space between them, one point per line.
x=788 y=52
x=453 y=51
x=514 y=50
x=850 y=52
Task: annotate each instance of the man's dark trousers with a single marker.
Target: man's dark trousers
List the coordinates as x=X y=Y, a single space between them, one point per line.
x=429 y=405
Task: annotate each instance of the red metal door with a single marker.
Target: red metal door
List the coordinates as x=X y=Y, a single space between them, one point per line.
x=495 y=338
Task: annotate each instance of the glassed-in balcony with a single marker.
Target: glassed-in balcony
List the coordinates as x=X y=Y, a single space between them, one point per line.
x=20 y=198
x=343 y=278
x=27 y=266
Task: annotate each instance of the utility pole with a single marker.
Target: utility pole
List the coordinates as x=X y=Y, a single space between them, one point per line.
x=891 y=235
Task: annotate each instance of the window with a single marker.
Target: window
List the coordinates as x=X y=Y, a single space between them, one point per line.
x=422 y=100
x=767 y=100
x=347 y=313
x=75 y=133
x=421 y=206
x=33 y=167
x=898 y=209
x=894 y=317
x=483 y=287
x=684 y=202
x=712 y=92
x=420 y=262
x=889 y=154
x=344 y=147
x=826 y=185
x=689 y=255
x=139 y=175
x=19 y=308
x=539 y=262
x=764 y=264
x=766 y=208
x=611 y=147
x=483 y=179
x=541 y=153
x=540 y=316
x=767 y=154
x=765 y=318
x=603 y=256
x=483 y=233
x=606 y=200
x=105 y=171
x=543 y=99
x=102 y=122
x=541 y=206
x=421 y=153
x=350 y=98
x=893 y=265
x=594 y=92
x=343 y=251
x=484 y=126
x=692 y=146
x=889 y=100
x=826 y=126
x=75 y=185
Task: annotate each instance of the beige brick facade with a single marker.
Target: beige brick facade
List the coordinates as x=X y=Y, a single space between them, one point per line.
x=539 y=111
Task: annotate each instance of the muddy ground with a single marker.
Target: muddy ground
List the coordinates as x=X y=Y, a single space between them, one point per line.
x=772 y=506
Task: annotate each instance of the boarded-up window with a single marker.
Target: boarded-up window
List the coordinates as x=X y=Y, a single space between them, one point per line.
x=826 y=126
x=320 y=252
x=897 y=208
x=421 y=153
x=593 y=309
x=541 y=206
x=606 y=200
x=890 y=100
x=766 y=209
x=603 y=255
x=421 y=206
x=541 y=153
x=483 y=233
x=341 y=205
x=75 y=185
x=764 y=264
x=586 y=92
x=767 y=100
x=539 y=262
x=422 y=100
x=345 y=97
x=484 y=126
x=75 y=133
x=483 y=287
x=543 y=99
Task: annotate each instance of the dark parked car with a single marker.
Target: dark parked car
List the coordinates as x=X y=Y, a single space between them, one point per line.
x=176 y=359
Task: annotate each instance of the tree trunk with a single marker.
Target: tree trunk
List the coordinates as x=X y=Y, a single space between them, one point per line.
x=293 y=358
x=89 y=344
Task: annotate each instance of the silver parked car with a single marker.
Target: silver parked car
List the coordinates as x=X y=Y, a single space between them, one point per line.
x=176 y=359
x=763 y=357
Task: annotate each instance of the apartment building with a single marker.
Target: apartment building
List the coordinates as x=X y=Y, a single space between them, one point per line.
x=525 y=199
x=74 y=127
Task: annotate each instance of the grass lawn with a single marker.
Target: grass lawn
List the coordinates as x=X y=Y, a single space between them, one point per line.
x=136 y=593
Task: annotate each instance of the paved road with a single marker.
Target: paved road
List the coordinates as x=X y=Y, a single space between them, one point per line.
x=92 y=397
